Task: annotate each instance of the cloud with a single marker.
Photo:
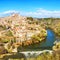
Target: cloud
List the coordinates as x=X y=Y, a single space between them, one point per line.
x=42 y=13
x=39 y=13
x=9 y=12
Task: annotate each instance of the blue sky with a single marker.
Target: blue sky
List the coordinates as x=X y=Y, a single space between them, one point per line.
x=31 y=7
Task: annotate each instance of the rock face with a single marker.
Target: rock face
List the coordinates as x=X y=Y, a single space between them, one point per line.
x=18 y=30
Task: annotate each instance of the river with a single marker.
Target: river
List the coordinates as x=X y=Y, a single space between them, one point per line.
x=50 y=39
x=46 y=45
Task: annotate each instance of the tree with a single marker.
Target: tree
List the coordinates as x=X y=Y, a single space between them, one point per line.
x=30 y=18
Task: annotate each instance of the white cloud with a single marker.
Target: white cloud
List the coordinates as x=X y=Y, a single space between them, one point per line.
x=40 y=13
x=9 y=12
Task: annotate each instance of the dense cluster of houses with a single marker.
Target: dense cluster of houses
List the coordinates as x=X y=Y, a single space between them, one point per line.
x=20 y=28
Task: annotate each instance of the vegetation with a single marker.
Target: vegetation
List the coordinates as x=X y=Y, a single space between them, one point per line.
x=44 y=55
x=56 y=47
x=30 y=18
x=25 y=31
x=9 y=33
x=40 y=36
x=52 y=23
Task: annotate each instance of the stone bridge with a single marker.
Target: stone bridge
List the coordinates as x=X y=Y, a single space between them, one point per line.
x=25 y=55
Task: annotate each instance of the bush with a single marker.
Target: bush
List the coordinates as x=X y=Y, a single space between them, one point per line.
x=30 y=18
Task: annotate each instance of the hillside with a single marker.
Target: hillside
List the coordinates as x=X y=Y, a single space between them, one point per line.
x=16 y=30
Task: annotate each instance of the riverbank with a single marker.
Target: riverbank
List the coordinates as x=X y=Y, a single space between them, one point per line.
x=33 y=55
x=24 y=54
